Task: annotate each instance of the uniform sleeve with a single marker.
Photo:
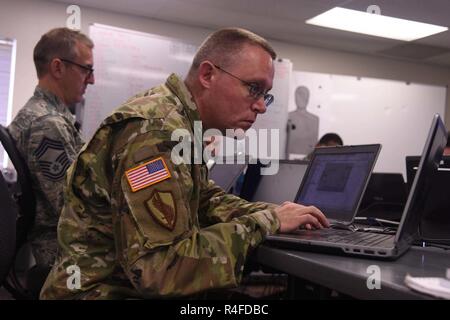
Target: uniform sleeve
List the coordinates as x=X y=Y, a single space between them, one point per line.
x=51 y=149
x=162 y=249
x=218 y=206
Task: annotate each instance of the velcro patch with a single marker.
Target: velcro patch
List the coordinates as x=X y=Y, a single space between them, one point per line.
x=161 y=206
x=147 y=174
x=52 y=159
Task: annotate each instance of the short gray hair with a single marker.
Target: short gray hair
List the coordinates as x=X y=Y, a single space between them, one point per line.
x=222 y=46
x=57 y=43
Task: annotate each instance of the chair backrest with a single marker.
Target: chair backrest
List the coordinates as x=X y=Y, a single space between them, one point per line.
x=8 y=216
x=25 y=195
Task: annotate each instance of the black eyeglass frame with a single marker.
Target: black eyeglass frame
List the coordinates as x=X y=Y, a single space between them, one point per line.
x=252 y=88
x=90 y=70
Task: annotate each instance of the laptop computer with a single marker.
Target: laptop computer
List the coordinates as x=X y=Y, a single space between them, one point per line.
x=336 y=179
x=385 y=197
x=226 y=174
x=280 y=187
x=434 y=227
x=367 y=243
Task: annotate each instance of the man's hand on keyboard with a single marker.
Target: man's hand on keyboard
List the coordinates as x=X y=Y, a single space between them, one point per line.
x=293 y=215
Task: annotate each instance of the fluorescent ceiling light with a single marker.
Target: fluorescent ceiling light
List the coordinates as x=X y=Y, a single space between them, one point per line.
x=375 y=24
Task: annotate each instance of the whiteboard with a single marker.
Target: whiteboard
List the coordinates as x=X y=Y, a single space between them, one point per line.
x=366 y=110
x=276 y=115
x=126 y=63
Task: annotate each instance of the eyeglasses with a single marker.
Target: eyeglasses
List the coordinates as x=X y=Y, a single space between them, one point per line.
x=254 y=89
x=89 y=69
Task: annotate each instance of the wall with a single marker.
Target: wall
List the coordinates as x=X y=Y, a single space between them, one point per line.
x=27 y=20
x=335 y=62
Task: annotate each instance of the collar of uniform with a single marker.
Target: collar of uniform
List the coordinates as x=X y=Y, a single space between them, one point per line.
x=54 y=102
x=178 y=87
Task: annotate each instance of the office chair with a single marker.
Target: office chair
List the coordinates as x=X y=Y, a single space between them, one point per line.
x=24 y=199
x=8 y=216
x=24 y=196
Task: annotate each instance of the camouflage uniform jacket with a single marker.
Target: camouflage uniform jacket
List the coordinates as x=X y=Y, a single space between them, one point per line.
x=48 y=141
x=176 y=237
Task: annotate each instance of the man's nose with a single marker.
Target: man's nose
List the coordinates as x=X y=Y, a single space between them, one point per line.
x=259 y=105
x=90 y=79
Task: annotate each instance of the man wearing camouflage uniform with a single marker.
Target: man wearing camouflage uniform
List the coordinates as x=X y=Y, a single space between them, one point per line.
x=44 y=129
x=137 y=225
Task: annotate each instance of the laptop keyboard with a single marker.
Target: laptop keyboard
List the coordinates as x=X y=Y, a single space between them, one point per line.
x=349 y=237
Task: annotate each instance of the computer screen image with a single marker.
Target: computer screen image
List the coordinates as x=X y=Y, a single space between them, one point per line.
x=336 y=179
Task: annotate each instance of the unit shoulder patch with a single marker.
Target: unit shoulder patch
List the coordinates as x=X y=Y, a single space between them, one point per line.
x=162 y=208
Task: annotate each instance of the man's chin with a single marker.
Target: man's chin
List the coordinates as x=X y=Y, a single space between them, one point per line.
x=239 y=132
x=246 y=125
x=241 y=126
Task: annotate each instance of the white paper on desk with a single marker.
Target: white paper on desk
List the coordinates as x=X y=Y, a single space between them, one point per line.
x=437 y=287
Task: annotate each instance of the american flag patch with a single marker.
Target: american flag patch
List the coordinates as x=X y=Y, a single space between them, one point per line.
x=147 y=174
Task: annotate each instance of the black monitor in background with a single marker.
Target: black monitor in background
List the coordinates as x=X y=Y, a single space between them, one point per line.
x=412 y=162
x=226 y=174
x=435 y=222
x=251 y=180
x=283 y=185
x=385 y=197
x=272 y=188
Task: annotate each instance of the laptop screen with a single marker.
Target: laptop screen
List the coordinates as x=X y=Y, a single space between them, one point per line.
x=423 y=180
x=336 y=179
x=435 y=218
x=282 y=186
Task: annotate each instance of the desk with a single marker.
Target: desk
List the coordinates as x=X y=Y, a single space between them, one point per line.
x=348 y=275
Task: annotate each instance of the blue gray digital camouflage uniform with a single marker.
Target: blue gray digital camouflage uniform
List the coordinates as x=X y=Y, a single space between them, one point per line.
x=176 y=237
x=46 y=137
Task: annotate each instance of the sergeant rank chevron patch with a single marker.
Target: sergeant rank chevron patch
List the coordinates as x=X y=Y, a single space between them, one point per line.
x=52 y=159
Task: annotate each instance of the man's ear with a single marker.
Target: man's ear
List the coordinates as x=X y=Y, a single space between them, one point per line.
x=206 y=73
x=57 y=68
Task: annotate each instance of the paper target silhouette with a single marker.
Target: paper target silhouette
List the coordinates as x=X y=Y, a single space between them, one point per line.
x=303 y=126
